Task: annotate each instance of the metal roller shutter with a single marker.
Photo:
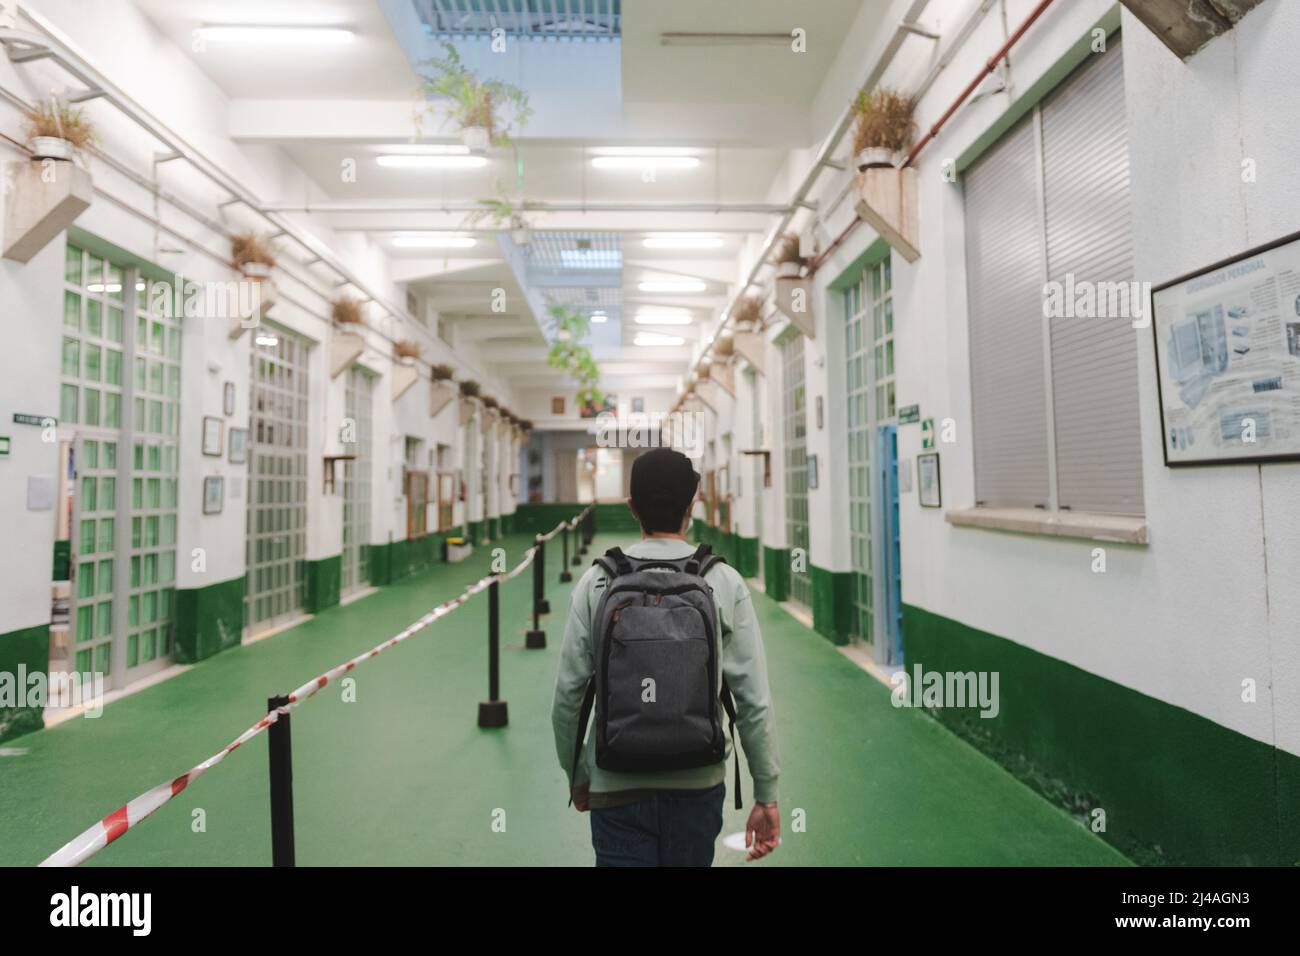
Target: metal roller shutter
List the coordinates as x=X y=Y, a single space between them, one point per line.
x=1089 y=235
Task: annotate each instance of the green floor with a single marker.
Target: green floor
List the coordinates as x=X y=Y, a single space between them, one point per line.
x=403 y=776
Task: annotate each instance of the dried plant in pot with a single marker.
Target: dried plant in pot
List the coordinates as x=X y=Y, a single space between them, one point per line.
x=441 y=373
x=346 y=311
x=252 y=255
x=56 y=130
x=407 y=351
x=470 y=388
x=490 y=402
x=724 y=348
x=786 y=257
x=884 y=129
x=747 y=316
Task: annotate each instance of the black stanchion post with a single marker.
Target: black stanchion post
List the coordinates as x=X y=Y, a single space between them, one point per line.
x=577 y=560
x=492 y=712
x=565 y=576
x=281 y=762
x=535 y=639
x=543 y=606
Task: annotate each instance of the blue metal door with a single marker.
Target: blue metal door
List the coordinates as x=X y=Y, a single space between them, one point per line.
x=887 y=522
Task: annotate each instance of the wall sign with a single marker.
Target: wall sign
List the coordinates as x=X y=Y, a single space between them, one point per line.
x=812 y=471
x=909 y=414
x=214 y=432
x=927 y=433
x=927 y=480
x=22 y=418
x=1227 y=343
x=214 y=487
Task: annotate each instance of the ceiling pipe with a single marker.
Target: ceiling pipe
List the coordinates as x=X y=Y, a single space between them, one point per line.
x=822 y=161
x=472 y=205
x=989 y=66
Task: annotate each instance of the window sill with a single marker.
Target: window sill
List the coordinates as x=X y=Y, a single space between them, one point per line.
x=1060 y=524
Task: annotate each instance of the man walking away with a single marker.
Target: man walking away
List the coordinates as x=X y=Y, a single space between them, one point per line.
x=662 y=652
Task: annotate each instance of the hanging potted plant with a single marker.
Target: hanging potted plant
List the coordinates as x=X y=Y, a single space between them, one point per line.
x=484 y=110
x=748 y=314
x=346 y=311
x=568 y=354
x=443 y=388
x=787 y=259
x=469 y=392
x=884 y=129
x=252 y=256
x=501 y=212
x=407 y=351
x=57 y=131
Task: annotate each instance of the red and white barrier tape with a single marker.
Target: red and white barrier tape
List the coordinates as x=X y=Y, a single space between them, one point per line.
x=131 y=814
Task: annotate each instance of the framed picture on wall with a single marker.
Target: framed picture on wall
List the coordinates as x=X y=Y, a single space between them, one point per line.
x=638 y=406
x=228 y=398
x=238 y=446
x=214 y=431
x=1227 y=347
x=557 y=405
x=927 y=480
x=214 y=489
x=812 y=471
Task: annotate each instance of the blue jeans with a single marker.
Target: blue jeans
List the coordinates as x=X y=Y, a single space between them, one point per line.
x=668 y=828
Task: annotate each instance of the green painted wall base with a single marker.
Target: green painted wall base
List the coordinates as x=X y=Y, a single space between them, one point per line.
x=208 y=620
x=832 y=603
x=321 y=583
x=776 y=572
x=1175 y=787
x=746 y=555
x=29 y=647
x=539 y=518
x=475 y=532
x=400 y=559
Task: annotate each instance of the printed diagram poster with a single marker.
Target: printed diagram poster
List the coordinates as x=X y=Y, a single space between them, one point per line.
x=1228 y=359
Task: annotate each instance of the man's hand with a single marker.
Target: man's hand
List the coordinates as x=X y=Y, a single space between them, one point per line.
x=580 y=795
x=763 y=831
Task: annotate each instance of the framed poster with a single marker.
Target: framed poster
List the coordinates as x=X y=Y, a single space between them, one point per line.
x=228 y=398
x=214 y=430
x=812 y=472
x=638 y=406
x=238 y=446
x=1227 y=344
x=214 y=488
x=557 y=405
x=927 y=480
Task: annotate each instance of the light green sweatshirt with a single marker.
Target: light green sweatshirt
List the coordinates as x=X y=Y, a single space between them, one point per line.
x=742 y=664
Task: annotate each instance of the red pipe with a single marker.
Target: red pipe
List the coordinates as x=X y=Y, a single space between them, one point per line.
x=989 y=66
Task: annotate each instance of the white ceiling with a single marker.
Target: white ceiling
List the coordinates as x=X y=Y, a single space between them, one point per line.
x=752 y=100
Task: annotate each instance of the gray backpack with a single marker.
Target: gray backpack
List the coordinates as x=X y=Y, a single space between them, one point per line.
x=655 y=688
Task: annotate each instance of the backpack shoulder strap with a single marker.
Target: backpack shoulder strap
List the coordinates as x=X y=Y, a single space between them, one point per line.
x=696 y=563
x=583 y=716
x=729 y=705
x=614 y=563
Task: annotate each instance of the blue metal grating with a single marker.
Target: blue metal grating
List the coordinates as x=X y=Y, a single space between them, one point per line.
x=534 y=19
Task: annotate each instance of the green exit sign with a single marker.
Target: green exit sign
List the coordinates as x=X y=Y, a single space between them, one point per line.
x=4 y=446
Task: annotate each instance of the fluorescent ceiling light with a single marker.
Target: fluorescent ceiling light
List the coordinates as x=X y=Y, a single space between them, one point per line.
x=682 y=240
x=431 y=161
x=267 y=340
x=651 y=339
x=591 y=259
x=434 y=242
x=664 y=318
x=424 y=149
x=265 y=34
x=599 y=317
x=643 y=151
x=672 y=285
x=645 y=162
